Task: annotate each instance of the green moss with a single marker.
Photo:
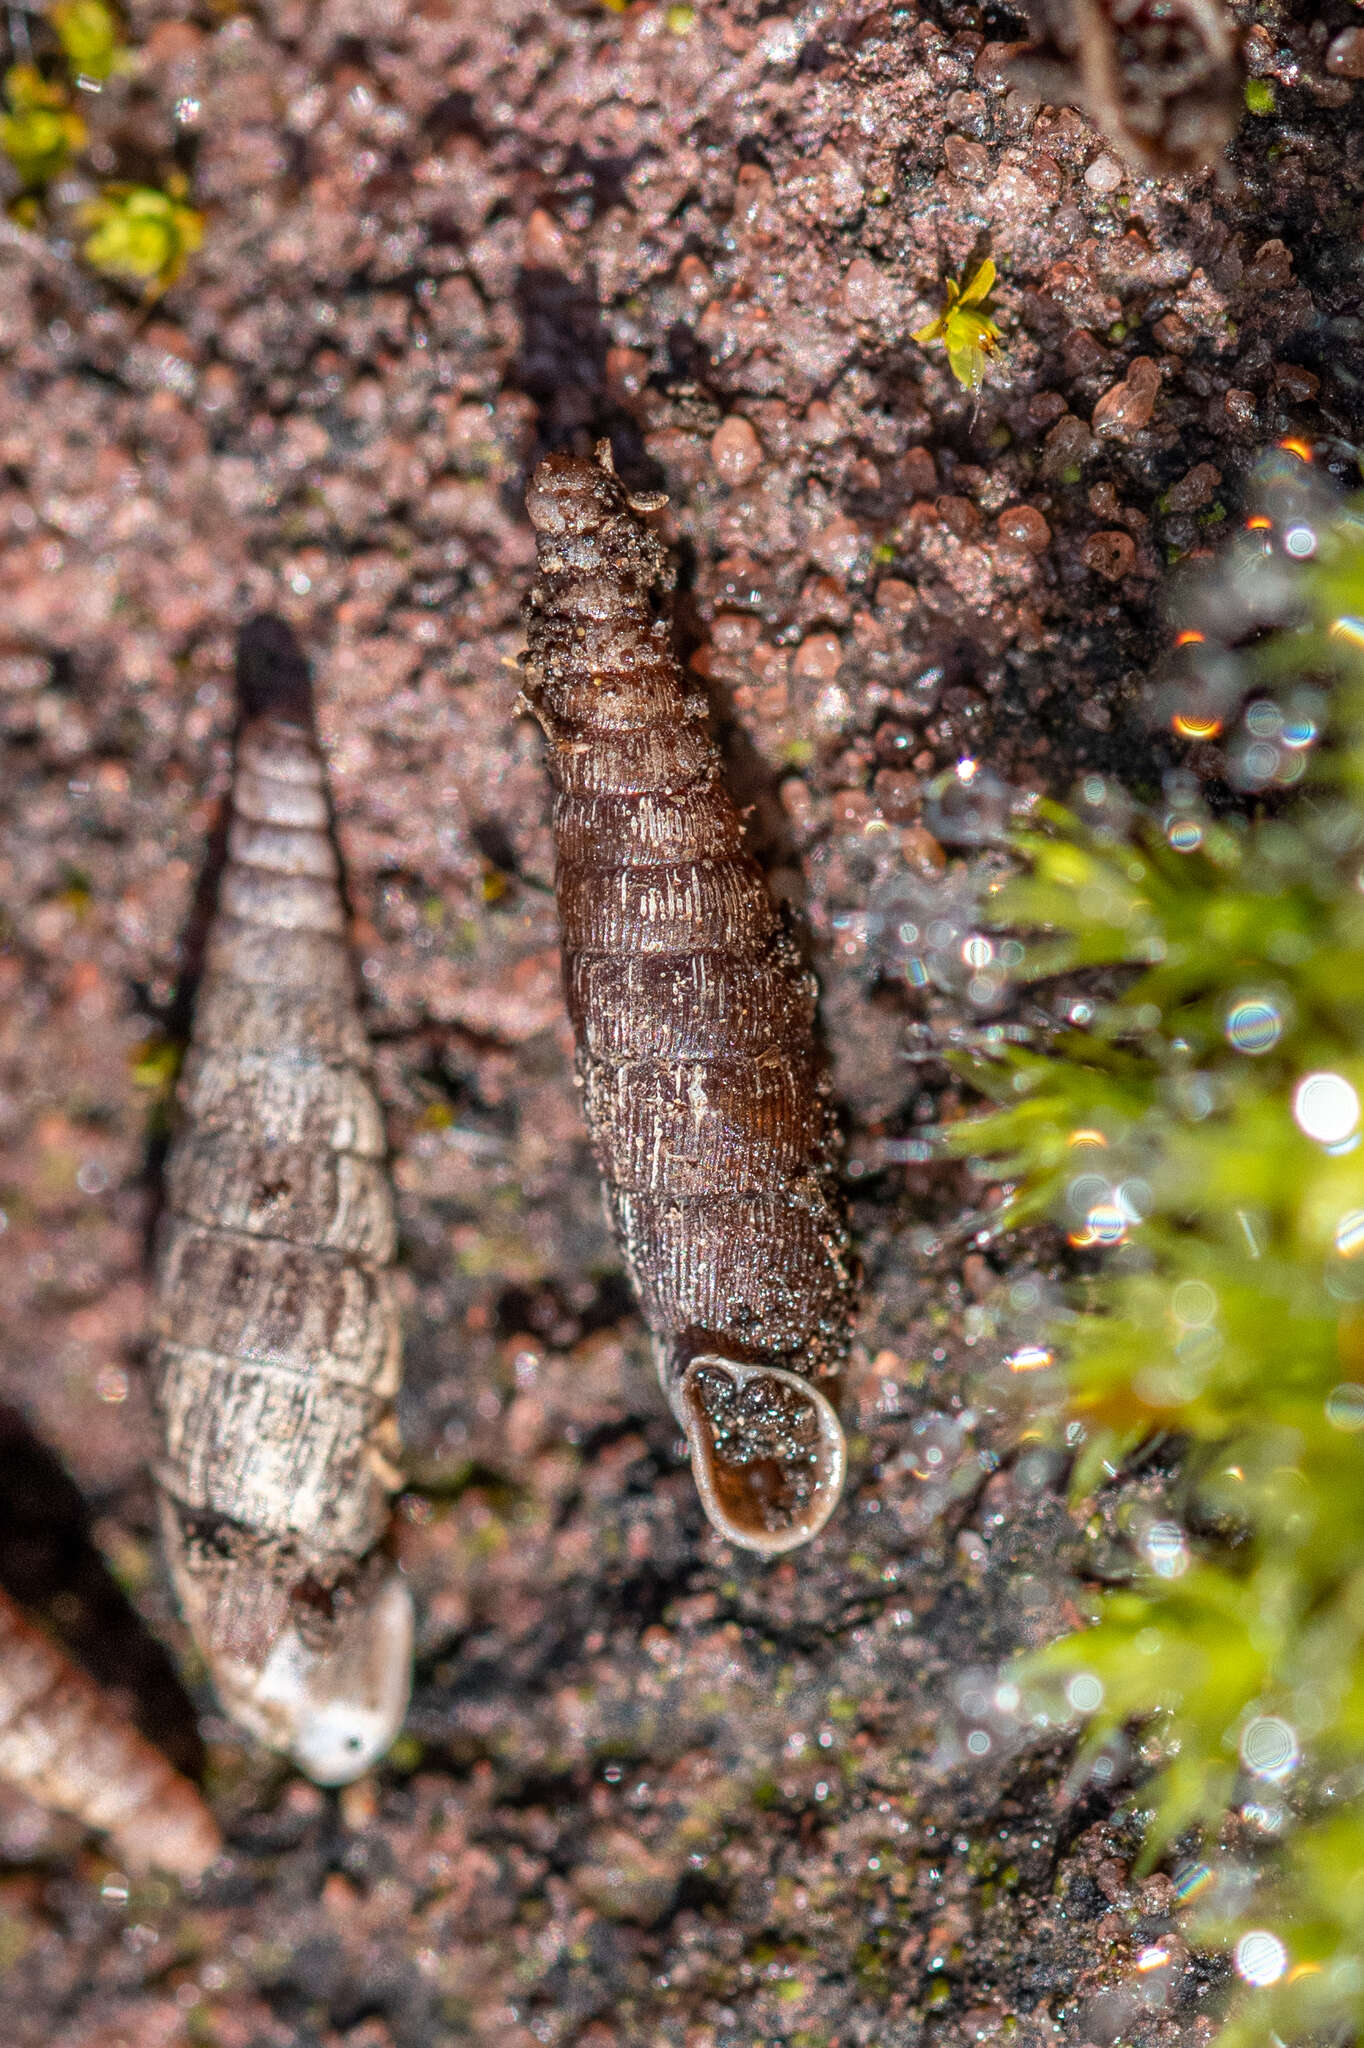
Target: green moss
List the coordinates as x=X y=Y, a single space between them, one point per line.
x=141 y=236
x=1181 y=1131
x=88 y=33
x=40 y=131
x=1259 y=97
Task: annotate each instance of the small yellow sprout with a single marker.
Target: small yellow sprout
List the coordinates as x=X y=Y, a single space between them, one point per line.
x=39 y=131
x=140 y=235
x=88 y=33
x=970 y=338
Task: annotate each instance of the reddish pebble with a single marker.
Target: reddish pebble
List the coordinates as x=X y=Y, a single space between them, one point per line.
x=1295 y=382
x=1025 y=527
x=1175 y=334
x=967 y=160
x=1067 y=447
x=866 y=293
x=1194 y=491
x=895 y=597
x=853 y=810
x=736 y=450
x=959 y=516
x=1045 y=408
x=1112 y=555
x=1127 y=407
x=1271 y=268
x=897 y=794
x=818 y=658
x=837 y=546
x=915 y=473
x=546 y=246
x=992 y=64
x=1240 y=408
x=1345 y=57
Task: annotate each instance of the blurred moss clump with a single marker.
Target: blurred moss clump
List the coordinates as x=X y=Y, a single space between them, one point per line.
x=40 y=130
x=88 y=33
x=1202 y=1132
x=138 y=234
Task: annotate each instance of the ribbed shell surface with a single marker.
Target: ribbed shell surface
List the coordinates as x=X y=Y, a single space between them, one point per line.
x=65 y=1744
x=693 y=1015
x=276 y=1331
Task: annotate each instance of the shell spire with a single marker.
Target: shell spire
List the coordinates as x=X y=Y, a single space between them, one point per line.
x=277 y=1344
x=694 y=1017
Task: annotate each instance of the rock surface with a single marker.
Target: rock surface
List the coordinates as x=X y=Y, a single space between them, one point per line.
x=652 y=1792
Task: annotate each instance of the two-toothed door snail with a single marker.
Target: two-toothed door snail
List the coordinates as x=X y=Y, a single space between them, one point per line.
x=66 y=1744
x=277 y=1345
x=694 y=1018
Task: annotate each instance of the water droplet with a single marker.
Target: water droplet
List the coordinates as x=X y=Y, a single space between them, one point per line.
x=1254 y=1024
x=1167 y=1550
x=1300 y=542
x=927 y=930
x=1326 y=1108
x=1185 y=835
x=1261 y=1957
x=968 y=806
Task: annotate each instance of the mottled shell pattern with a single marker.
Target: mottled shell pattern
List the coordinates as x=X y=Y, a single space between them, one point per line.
x=694 y=1019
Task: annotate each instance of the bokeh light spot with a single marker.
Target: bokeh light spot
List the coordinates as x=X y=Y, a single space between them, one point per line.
x=1269 y=1747
x=1254 y=1024
x=1085 y=1692
x=1326 y=1108
x=1345 y=1406
x=1167 y=1550
x=1261 y=1957
x=1350 y=1234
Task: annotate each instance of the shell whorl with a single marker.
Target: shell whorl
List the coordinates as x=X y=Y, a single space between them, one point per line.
x=694 y=1020
x=277 y=1337
x=65 y=1745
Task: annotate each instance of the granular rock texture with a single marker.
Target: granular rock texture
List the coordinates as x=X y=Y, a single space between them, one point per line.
x=652 y=1791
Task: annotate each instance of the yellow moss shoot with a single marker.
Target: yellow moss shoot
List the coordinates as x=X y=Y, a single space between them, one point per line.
x=141 y=236
x=39 y=131
x=970 y=336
